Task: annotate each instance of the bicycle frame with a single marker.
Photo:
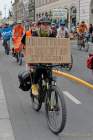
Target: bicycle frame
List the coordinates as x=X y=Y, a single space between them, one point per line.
x=46 y=83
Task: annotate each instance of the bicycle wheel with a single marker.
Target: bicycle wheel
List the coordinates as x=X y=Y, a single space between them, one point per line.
x=79 y=44
x=55 y=110
x=17 y=57
x=86 y=46
x=20 y=61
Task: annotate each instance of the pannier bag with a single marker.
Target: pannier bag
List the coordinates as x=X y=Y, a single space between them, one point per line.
x=90 y=62
x=24 y=80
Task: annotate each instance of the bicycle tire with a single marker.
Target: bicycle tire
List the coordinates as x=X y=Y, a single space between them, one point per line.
x=63 y=109
x=17 y=58
x=20 y=61
x=86 y=46
x=79 y=46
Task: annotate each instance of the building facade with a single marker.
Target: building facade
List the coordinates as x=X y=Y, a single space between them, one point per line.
x=20 y=10
x=86 y=10
x=45 y=7
x=32 y=10
x=78 y=10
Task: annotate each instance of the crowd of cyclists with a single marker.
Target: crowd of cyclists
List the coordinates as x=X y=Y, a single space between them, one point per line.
x=42 y=28
x=51 y=28
x=14 y=42
x=16 y=35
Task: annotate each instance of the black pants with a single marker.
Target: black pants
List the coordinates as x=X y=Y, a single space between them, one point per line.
x=38 y=73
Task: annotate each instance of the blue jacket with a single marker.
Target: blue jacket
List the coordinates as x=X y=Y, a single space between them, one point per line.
x=7 y=33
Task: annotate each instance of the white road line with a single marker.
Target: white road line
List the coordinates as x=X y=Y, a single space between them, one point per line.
x=72 y=98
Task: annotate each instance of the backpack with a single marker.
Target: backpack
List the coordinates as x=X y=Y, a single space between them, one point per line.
x=90 y=62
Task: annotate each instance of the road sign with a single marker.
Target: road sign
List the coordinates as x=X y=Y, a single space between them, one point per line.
x=60 y=13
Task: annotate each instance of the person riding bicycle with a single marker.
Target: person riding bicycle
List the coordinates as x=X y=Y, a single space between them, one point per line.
x=53 y=30
x=34 y=29
x=43 y=31
x=83 y=29
x=18 y=32
x=62 y=32
x=6 y=35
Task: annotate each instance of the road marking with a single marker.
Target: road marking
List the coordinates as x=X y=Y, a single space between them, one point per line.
x=72 y=98
x=73 y=78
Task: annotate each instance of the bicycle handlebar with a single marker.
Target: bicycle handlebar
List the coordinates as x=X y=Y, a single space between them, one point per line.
x=47 y=65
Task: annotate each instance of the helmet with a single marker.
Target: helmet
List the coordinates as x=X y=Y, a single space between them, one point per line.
x=24 y=80
x=44 y=21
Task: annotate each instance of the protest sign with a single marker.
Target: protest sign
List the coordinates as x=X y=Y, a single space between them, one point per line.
x=48 y=50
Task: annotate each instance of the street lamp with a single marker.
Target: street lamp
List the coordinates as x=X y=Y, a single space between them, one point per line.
x=79 y=10
x=68 y=17
x=5 y=11
x=32 y=9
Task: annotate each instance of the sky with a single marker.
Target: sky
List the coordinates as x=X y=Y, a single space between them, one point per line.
x=5 y=3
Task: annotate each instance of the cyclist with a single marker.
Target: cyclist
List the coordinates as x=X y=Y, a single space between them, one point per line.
x=34 y=29
x=83 y=29
x=53 y=30
x=43 y=31
x=6 y=34
x=18 y=32
x=62 y=32
x=91 y=32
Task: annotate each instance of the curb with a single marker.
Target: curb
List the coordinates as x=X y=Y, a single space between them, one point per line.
x=6 y=131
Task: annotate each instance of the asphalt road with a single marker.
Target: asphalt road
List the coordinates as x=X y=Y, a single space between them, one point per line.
x=30 y=125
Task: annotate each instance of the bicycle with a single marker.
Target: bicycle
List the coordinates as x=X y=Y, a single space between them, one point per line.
x=51 y=95
x=83 y=42
x=19 y=56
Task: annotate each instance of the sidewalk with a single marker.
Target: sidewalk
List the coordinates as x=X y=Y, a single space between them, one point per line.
x=6 y=132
